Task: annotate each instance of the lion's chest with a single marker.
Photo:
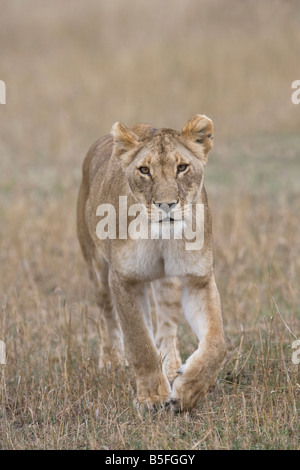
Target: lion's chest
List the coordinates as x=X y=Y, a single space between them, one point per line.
x=147 y=260
x=140 y=260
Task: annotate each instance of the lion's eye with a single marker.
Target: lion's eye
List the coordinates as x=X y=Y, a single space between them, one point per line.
x=181 y=168
x=144 y=170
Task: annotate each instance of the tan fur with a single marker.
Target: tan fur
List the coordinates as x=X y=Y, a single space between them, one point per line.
x=120 y=269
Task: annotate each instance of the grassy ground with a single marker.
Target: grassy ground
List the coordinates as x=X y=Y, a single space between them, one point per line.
x=70 y=73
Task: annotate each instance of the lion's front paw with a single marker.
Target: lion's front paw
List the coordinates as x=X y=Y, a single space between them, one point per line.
x=152 y=394
x=187 y=391
x=186 y=395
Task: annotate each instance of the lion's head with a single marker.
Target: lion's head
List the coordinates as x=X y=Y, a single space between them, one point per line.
x=164 y=168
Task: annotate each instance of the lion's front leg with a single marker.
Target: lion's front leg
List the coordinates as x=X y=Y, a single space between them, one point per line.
x=202 y=307
x=132 y=305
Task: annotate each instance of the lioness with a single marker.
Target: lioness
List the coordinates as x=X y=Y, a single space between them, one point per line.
x=162 y=169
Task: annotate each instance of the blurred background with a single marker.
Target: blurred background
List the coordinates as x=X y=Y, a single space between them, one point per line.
x=71 y=70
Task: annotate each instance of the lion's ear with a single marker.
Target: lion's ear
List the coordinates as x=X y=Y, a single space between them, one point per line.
x=198 y=134
x=125 y=142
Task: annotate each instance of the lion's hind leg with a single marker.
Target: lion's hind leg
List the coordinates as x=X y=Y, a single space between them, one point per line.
x=167 y=299
x=111 y=335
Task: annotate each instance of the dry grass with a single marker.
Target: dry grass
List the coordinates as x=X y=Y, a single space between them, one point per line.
x=72 y=68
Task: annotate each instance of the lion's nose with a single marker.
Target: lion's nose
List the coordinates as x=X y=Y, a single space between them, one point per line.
x=166 y=206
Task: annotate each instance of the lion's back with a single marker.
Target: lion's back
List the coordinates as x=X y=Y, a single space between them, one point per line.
x=97 y=157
